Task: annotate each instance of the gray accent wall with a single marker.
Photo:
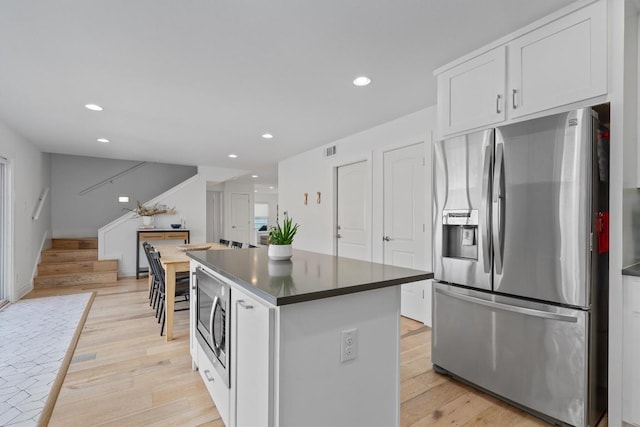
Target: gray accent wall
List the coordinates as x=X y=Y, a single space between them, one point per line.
x=78 y=210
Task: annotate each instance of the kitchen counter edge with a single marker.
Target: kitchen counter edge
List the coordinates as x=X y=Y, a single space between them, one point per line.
x=310 y=296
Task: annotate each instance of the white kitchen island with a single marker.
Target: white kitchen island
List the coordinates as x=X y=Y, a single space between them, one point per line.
x=292 y=325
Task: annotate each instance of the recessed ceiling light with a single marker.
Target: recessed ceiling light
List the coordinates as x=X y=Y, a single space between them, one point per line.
x=267 y=136
x=104 y=140
x=255 y=191
x=123 y=199
x=233 y=156
x=93 y=107
x=362 y=81
x=254 y=176
x=270 y=188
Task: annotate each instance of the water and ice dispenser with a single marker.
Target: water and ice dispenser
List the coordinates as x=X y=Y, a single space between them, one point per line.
x=460 y=233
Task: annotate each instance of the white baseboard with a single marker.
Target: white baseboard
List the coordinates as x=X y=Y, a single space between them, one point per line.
x=22 y=291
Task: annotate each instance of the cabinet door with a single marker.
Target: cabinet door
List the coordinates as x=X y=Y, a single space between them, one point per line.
x=631 y=350
x=472 y=94
x=193 y=313
x=562 y=62
x=253 y=362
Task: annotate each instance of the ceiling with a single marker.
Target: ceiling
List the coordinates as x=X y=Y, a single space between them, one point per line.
x=191 y=81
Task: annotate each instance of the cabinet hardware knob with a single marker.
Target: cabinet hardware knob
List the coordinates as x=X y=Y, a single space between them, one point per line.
x=498 y=104
x=386 y=238
x=513 y=98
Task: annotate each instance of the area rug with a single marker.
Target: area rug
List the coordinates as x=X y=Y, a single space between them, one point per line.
x=37 y=339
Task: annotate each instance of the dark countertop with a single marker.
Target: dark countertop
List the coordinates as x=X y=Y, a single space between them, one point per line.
x=308 y=276
x=632 y=270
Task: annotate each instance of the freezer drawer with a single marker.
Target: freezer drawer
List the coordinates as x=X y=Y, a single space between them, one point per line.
x=532 y=354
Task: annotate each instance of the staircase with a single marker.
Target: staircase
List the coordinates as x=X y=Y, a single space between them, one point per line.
x=74 y=262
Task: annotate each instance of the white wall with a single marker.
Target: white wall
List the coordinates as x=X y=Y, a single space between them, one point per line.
x=117 y=240
x=311 y=172
x=31 y=175
x=81 y=215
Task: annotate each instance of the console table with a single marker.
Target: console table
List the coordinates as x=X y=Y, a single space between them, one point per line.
x=155 y=235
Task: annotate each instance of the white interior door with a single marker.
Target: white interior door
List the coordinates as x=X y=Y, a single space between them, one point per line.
x=214 y=216
x=353 y=208
x=240 y=217
x=404 y=223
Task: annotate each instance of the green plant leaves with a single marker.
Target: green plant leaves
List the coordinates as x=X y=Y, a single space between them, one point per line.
x=283 y=235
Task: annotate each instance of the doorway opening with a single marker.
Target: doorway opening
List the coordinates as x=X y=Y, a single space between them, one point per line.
x=261 y=222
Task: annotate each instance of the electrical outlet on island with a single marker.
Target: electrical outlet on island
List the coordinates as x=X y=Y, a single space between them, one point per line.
x=348 y=344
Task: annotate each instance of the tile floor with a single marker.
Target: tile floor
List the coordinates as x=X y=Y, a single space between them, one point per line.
x=34 y=337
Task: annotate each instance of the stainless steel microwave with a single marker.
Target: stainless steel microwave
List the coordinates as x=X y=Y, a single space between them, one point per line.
x=213 y=320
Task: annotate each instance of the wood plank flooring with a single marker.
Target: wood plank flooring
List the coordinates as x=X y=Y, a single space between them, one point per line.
x=124 y=373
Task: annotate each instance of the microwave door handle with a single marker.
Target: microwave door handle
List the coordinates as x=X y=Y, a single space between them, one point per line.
x=498 y=204
x=486 y=203
x=212 y=340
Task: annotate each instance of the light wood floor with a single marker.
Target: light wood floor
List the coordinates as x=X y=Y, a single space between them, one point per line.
x=124 y=374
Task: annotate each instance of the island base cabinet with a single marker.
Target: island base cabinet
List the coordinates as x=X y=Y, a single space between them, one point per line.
x=215 y=385
x=313 y=386
x=289 y=366
x=193 y=312
x=252 y=375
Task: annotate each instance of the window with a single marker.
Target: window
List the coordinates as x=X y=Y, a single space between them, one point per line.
x=260 y=215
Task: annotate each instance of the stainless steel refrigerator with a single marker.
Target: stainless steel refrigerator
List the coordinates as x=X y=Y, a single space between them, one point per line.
x=521 y=264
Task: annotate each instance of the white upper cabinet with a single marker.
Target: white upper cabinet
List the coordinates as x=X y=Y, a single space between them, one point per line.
x=562 y=62
x=472 y=94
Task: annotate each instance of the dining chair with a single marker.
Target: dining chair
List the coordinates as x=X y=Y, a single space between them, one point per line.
x=225 y=242
x=153 y=288
x=182 y=290
x=236 y=245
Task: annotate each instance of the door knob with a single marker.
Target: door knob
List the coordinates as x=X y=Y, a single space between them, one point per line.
x=233 y=226
x=339 y=236
x=386 y=238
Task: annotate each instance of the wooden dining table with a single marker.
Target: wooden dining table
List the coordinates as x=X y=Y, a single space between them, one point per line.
x=175 y=261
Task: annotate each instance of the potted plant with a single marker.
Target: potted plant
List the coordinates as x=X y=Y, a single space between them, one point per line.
x=280 y=239
x=148 y=213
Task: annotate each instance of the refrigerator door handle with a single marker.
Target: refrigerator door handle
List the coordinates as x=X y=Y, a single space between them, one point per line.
x=486 y=203
x=507 y=307
x=498 y=207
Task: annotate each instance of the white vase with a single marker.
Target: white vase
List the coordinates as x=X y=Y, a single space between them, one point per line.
x=147 y=221
x=280 y=252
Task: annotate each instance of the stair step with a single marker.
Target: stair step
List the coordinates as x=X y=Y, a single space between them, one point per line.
x=75 y=243
x=53 y=268
x=68 y=255
x=72 y=279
